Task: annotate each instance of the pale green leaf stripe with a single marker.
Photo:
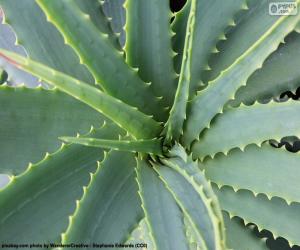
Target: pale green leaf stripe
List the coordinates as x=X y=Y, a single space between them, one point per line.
x=280 y=73
x=263 y=122
x=142 y=146
x=141 y=234
x=56 y=181
x=262 y=211
x=102 y=59
x=179 y=28
x=194 y=203
x=163 y=216
x=135 y=122
x=248 y=27
x=93 y=8
x=210 y=22
x=115 y=11
x=110 y=206
x=35 y=38
x=240 y=237
x=148 y=33
x=192 y=236
x=268 y=170
x=33 y=119
x=174 y=125
x=205 y=105
x=190 y=169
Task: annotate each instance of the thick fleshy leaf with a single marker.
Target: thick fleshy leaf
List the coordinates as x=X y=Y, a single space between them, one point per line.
x=8 y=41
x=277 y=244
x=205 y=106
x=110 y=206
x=94 y=9
x=114 y=10
x=141 y=235
x=135 y=122
x=261 y=122
x=148 y=45
x=179 y=25
x=58 y=178
x=33 y=119
x=34 y=33
x=262 y=211
x=163 y=216
x=105 y=62
x=247 y=28
x=240 y=237
x=267 y=170
x=153 y=146
x=297 y=29
x=174 y=125
x=192 y=205
x=280 y=73
x=192 y=236
x=196 y=199
x=190 y=168
x=208 y=31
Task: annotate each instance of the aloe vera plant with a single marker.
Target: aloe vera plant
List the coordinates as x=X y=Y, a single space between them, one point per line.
x=168 y=139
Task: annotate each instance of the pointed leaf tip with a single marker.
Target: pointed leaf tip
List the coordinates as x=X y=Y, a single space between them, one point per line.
x=142 y=146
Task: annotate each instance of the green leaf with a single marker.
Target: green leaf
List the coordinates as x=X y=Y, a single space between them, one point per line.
x=110 y=205
x=263 y=122
x=211 y=19
x=196 y=199
x=277 y=244
x=240 y=237
x=148 y=34
x=191 y=168
x=93 y=8
x=174 y=125
x=31 y=121
x=8 y=41
x=267 y=170
x=163 y=216
x=33 y=32
x=280 y=73
x=141 y=235
x=262 y=211
x=205 y=105
x=192 y=236
x=142 y=146
x=105 y=62
x=192 y=205
x=297 y=29
x=133 y=121
x=35 y=206
x=179 y=28
x=115 y=11
x=248 y=27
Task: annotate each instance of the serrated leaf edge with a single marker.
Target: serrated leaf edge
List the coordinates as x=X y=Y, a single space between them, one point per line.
x=259 y=227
